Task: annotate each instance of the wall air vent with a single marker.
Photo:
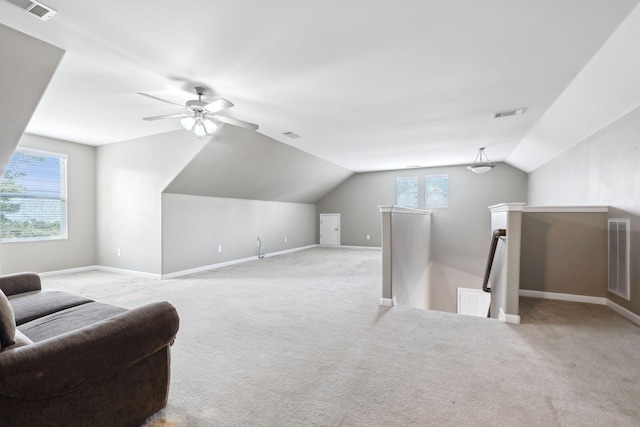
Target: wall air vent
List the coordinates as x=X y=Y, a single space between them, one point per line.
x=509 y=113
x=619 y=246
x=34 y=8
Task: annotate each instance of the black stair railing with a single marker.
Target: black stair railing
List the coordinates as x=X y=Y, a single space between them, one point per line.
x=500 y=232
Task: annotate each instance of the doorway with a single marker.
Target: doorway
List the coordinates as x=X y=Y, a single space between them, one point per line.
x=330 y=229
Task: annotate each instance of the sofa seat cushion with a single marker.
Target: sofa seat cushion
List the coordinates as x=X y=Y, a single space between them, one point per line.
x=31 y=305
x=68 y=320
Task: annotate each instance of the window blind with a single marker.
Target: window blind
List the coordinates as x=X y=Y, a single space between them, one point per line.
x=33 y=196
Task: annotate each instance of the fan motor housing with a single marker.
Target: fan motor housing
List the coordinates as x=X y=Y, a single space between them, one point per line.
x=196 y=105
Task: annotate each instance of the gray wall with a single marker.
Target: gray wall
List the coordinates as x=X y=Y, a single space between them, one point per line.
x=27 y=67
x=79 y=249
x=564 y=252
x=604 y=169
x=460 y=233
x=130 y=178
x=149 y=228
x=194 y=226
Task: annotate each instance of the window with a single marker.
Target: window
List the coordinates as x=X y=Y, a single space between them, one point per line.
x=33 y=197
x=407 y=192
x=436 y=188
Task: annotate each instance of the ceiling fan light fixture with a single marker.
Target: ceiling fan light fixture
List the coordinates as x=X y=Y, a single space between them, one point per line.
x=481 y=164
x=210 y=126
x=188 y=122
x=199 y=130
x=200 y=117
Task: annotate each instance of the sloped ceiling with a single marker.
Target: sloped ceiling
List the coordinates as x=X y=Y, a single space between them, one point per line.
x=369 y=85
x=606 y=89
x=237 y=163
x=27 y=67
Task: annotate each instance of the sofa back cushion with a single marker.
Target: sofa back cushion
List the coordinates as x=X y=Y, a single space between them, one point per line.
x=7 y=323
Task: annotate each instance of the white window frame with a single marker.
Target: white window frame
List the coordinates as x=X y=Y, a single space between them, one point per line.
x=64 y=217
x=408 y=179
x=427 y=204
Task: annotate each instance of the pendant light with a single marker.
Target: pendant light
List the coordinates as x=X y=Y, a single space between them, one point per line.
x=481 y=163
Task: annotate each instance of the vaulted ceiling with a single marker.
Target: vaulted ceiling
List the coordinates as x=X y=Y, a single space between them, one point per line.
x=367 y=85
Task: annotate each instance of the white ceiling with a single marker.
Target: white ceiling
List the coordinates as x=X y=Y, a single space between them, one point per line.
x=368 y=85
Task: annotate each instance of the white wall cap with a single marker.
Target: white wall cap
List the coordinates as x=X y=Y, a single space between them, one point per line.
x=400 y=209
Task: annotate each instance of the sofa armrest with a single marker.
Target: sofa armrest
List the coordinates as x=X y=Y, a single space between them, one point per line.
x=18 y=283
x=57 y=365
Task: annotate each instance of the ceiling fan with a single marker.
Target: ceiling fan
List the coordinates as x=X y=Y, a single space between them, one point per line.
x=201 y=117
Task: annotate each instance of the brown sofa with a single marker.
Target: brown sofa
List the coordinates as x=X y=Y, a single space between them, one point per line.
x=66 y=360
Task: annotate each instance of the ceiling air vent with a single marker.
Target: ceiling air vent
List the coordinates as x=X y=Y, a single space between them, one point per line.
x=509 y=113
x=34 y=8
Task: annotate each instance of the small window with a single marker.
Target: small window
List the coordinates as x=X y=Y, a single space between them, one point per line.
x=33 y=197
x=436 y=191
x=407 y=192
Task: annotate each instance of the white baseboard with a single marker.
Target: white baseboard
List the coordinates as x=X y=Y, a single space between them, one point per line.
x=388 y=302
x=207 y=267
x=68 y=271
x=563 y=297
x=623 y=312
x=374 y=248
x=101 y=268
x=508 y=318
x=231 y=262
x=191 y=270
x=129 y=272
x=169 y=275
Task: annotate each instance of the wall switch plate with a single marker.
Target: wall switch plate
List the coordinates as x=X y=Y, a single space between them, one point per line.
x=285 y=239
x=219 y=248
x=368 y=236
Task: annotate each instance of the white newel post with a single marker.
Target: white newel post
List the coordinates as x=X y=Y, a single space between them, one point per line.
x=505 y=274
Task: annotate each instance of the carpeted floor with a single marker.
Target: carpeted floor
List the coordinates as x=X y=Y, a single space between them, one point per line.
x=300 y=340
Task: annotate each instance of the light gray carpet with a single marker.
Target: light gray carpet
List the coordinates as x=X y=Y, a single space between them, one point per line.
x=300 y=340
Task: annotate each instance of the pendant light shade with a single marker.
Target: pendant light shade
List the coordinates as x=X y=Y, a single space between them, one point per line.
x=481 y=163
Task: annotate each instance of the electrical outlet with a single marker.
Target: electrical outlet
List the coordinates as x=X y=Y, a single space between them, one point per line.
x=118 y=251
x=219 y=248
x=368 y=236
x=285 y=239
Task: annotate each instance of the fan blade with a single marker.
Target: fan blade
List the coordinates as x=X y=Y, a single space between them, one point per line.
x=236 y=122
x=162 y=100
x=167 y=116
x=218 y=105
